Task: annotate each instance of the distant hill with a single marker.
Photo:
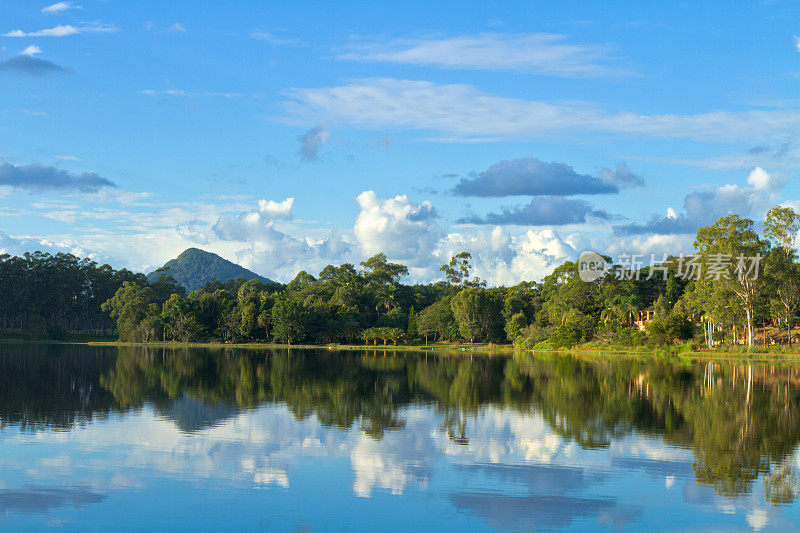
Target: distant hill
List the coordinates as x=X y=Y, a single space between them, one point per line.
x=194 y=268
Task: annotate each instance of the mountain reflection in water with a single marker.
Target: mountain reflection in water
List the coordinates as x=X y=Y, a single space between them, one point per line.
x=344 y=439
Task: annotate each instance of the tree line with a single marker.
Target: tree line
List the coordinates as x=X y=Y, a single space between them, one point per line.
x=369 y=304
x=54 y=295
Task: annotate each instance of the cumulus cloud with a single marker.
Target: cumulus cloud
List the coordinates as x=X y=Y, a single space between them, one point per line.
x=402 y=229
x=541 y=211
x=254 y=224
x=539 y=53
x=797 y=43
x=29 y=65
x=41 y=178
x=256 y=241
x=705 y=207
x=312 y=141
x=64 y=30
x=463 y=113
x=657 y=245
x=503 y=259
x=139 y=234
x=59 y=7
x=531 y=176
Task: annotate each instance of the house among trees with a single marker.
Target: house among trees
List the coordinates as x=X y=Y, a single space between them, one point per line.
x=645 y=317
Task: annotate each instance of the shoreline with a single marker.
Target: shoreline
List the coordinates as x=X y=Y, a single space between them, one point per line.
x=758 y=353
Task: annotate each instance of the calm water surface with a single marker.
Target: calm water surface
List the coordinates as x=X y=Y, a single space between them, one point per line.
x=136 y=439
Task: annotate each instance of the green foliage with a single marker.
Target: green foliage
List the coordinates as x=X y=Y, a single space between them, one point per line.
x=437 y=321
x=383 y=334
x=131 y=306
x=57 y=295
x=733 y=236
x=515 y=325
x=412 y=330
x=477 y=314
x=289 y=318
x=576 y=328
x=666 y=329
x=628 y=336
x=530 y=337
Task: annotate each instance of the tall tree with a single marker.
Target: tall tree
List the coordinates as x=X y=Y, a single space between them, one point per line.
x=733 y=238
x=458 y=269
x=781 y=225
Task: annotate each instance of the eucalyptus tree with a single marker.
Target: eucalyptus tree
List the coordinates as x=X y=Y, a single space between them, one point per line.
x=733 y=238
x=781 y=225
x=458 y=269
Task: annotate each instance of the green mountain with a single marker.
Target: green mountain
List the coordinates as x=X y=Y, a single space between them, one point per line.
x=194 y=268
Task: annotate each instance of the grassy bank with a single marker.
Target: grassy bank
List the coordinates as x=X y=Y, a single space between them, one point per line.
x=483 y=348
x=678 y=350
x=687 y=350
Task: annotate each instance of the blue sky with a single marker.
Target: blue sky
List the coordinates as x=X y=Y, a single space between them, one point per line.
x=287 y=137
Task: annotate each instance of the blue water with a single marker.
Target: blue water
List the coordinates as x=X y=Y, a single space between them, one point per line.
x=245 y=440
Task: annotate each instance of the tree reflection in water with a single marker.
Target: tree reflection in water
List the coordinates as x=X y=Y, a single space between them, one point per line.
x=739 y=419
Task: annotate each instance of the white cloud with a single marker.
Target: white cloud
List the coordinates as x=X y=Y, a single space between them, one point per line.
x=276 y=210
x=275 y=40
x=165 y=92
x=462 y=112
x=19 y=245
x=256 y=241
x=403 y=230
x=175 y=27
x=759 y=179
x=64 y=30
x=32 y=50
x=255 y=224
x=131 y=230
x=503 y=259
x=540 y=53
x=59 y=7
x=797 y=43
x=658 y=245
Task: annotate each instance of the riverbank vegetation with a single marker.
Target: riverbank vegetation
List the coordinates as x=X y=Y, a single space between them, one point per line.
x=698 y=302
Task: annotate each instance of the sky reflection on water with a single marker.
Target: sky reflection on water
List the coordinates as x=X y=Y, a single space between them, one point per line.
x=274 y=441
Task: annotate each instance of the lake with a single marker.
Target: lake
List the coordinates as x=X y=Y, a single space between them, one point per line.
x=151 y=439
